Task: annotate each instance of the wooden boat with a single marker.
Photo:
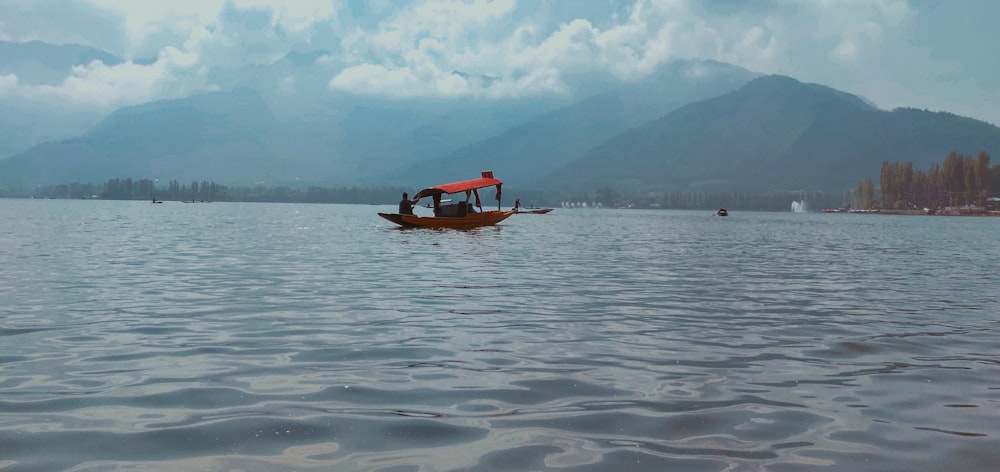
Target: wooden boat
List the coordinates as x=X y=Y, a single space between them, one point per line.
x=460 y=213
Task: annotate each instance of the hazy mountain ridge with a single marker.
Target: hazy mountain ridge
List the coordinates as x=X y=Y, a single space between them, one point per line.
x=35 y=62
x=691 y=125
x=26 y=122
x=349 y=140
x=775 y=133
x=525 y=152
x=205 y=131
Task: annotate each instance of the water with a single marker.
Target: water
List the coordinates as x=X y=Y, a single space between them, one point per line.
x=319 y=337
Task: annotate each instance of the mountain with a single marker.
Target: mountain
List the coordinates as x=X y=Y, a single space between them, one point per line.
x=234 y=138
x=353 y=140
x=774 y=133
x=190 y=139
x=39 y=63
x=690 y=125
x=25 y=122
x=537 y=147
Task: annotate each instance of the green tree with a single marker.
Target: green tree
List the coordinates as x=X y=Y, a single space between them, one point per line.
x=953 y=173
x=983 y=177
x=864 y=194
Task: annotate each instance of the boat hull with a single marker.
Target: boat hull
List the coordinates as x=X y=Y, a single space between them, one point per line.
x=472 y=220
x=535 y=211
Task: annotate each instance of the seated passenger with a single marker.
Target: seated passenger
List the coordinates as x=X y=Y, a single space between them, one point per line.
x=406 y=205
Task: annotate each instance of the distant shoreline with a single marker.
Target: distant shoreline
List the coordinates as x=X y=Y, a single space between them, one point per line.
x=943 y=212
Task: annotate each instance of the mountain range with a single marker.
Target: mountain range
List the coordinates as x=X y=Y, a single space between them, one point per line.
x=692 y=125
x=775 y=133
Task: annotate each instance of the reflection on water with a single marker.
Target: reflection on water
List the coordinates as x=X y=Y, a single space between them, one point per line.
x=319 y=337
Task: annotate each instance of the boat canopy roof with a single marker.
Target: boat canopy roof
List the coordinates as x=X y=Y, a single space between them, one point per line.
x=487 y=180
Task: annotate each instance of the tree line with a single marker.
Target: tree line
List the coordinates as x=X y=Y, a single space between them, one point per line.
x=207 y=191
x=959 y=181
x=146 y=189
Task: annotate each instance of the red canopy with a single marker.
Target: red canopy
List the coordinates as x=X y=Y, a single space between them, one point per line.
x=487 y=180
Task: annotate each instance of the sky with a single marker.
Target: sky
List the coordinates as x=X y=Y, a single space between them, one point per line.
x=929 y=54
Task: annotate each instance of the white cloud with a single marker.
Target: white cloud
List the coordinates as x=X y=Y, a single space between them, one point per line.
x=174 y=74
x=8 y=84
x=420 y=81
x=444 y=20
x=861 y=37
x=415 y=51
x=298 y=17
x=501 y=48
x=189 y=39
x=417 y=46
x=151 y=19
x=154 y=25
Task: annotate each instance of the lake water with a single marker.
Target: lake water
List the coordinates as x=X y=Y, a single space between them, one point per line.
x=233 y=336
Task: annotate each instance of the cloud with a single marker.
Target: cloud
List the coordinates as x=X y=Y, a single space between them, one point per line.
x=887 y=50
x=187 y=40
x=8 y=84
x=415 y=51
x=400 y=83
x=150 y=26
x=442 y=47
x=419 y=50
x=173 y=74
x=60 y=22
x=852 y=44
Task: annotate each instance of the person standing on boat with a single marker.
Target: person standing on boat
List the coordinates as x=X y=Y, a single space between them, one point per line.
x=406 y=205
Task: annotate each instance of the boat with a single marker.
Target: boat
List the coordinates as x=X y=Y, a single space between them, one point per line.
x=722 y=212
x=530 y=211
x=534 y=211
x=457 y=213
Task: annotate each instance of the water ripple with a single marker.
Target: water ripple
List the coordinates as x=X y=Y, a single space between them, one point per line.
x=315 y=337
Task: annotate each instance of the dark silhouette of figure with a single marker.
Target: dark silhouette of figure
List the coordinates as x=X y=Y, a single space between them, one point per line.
x=406 y=205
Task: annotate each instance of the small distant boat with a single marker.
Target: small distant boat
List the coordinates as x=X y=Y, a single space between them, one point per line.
x=156 y=201
x=534 y=211
x=461 y=214
x=530 y=211
x=722 y=212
